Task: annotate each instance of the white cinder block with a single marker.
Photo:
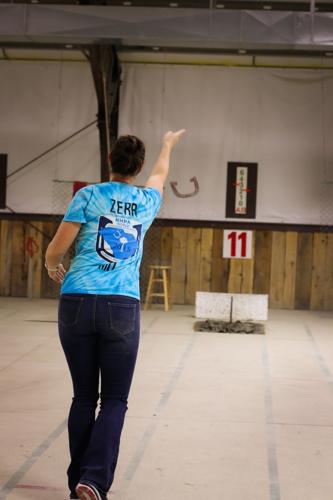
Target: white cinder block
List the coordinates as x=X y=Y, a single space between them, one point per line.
x=245 y=307
x=211 y=305
x=249 y=307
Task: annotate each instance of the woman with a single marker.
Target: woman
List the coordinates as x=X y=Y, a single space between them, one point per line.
x=99 y=307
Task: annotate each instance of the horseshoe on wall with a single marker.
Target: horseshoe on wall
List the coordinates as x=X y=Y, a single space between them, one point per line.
x=174 y=188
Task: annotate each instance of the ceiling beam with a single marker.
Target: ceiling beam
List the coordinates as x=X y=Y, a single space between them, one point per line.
x=192 y=29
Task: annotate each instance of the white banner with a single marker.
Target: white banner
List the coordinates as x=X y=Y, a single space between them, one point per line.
x=42 y=103
x=281 y=119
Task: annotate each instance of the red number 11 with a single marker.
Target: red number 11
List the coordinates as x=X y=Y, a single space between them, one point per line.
x=233 y=237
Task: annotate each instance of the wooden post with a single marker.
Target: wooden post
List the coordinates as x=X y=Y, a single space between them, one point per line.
x=106 y=73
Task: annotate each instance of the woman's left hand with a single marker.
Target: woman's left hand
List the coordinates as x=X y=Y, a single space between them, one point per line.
x=58 y=275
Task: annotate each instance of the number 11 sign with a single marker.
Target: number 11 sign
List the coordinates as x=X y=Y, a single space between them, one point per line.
x=237 y=244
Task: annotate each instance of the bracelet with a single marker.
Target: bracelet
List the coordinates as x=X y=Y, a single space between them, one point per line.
x=52 y=269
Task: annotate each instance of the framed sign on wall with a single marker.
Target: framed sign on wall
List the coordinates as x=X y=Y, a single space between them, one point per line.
x=237 y=244
x=241 y=190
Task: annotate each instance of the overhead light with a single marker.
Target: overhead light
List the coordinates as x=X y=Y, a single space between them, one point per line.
x=267 y=7
x=241 y=51
x=173 y=4
x=156 y=49
x=220 y=5
x=329 y=54
x=127 y=4
x=68 y=46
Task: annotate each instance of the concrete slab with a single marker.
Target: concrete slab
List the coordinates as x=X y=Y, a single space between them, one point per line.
x=231 y=306
x=249 y=307
x=224 y=417
x=197 y=459
x=210 y=305
x=305 y=462
x=304 y=402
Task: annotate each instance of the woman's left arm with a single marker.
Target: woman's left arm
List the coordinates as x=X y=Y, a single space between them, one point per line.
x=56 y=250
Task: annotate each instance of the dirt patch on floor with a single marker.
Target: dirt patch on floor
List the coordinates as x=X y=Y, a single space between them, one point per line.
x=246 y=327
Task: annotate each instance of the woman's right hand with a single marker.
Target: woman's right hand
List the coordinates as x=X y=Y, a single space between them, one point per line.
x=171 y=138
x=58 y=275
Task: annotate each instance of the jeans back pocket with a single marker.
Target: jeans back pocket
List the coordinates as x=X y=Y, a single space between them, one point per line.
x=69 y=310
x=122 y=317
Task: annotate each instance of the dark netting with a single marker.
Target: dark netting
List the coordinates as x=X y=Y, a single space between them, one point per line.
x=326 y=206
x=154 y=253
x=62 y=194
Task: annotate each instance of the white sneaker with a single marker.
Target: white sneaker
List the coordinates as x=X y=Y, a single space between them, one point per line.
x=87 y=491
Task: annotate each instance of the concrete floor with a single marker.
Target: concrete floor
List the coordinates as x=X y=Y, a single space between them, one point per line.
x=212 y=416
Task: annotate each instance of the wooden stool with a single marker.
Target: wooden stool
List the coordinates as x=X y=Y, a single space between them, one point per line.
x=155 y=277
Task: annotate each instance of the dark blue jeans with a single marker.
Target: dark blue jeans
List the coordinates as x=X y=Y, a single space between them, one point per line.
x=100 y=337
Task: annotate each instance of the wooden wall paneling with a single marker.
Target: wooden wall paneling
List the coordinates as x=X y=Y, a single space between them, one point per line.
x=193 y=264
x=235 y=276
x=303 y=270
x=276 y=294
x=318 y=283
x=166 y=246
x=153 y=245
x=248 y=270
x=218 y=283
x=166 y=253
x=262 y=262
x=178 y=271
x=34 y=249
x=151 y=256
x=19 y=272
x=5 y=257
x=289 y=281
x=205 y=270
x=241 y=273
x=225 y=275
x=49 y=289
x=328 y=301
x=296 y=269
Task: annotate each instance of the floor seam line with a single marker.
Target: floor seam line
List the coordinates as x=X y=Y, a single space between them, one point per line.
x=150 y=429
x=273 y=470
x=14 y=480
x=23 y=356
x=319 y=357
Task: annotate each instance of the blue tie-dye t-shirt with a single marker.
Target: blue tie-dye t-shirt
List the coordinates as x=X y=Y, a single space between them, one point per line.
x=114 y=218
